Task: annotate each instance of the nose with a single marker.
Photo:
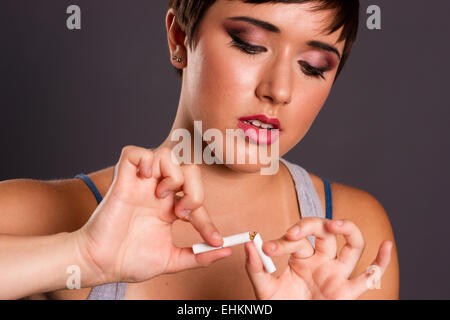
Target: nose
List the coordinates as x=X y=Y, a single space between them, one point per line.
x=276 y=83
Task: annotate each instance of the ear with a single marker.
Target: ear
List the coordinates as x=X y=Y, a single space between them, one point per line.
x=176 y=39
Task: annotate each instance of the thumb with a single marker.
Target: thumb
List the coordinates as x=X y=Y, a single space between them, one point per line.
x=262 y=281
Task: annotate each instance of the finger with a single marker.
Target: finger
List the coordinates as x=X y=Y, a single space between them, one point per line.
x=325 y=242
x=200 y=220
x=299 y=249
x=354 y=246
x=262 y=281
x=193 y=194
x=171 y=173
x=134 y=160
x=184 y=258
x=366 y=280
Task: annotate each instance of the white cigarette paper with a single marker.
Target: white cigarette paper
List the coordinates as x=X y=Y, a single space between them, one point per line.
x=227 y=242
x=267 y=262
x=239 y=239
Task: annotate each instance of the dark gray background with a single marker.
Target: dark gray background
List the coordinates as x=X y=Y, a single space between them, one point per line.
x=71 y=100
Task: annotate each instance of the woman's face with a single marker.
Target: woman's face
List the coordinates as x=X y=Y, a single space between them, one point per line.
x=240 y=69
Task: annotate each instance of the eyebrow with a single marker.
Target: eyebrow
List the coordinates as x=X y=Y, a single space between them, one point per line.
x=270 y=27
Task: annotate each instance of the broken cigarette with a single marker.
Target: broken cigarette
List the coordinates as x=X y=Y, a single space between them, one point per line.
x=267 y=262
x=227 y=242
x=239 y=239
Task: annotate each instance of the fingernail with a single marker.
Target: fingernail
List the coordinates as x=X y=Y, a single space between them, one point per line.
x=295 y=230
x=186 y=214
x=149 y=172
x=216 y=235
x=339 y=222
x=164 y=194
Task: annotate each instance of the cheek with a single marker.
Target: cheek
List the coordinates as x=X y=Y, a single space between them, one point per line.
x=221 y=82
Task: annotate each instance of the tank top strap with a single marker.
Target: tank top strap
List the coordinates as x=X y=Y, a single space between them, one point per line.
x=328 y=199
x=307 y=197
x=91 y=186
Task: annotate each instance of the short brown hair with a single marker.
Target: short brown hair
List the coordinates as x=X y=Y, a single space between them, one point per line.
x=190 y=12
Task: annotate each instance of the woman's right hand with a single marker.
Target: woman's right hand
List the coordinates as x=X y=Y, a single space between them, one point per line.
x=129 y=238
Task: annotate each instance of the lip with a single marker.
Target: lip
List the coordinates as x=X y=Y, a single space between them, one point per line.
x=259 y=135
x=261 y=117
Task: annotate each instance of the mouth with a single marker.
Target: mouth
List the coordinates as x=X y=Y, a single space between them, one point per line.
x=263 y=122
x=260 y=129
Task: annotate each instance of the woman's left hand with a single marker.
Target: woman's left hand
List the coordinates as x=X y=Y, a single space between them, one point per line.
x=318 y=273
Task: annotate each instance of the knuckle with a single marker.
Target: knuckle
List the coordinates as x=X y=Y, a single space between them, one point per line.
x=280 y=244
x=165 y=152
x=178 y=179
x=313 y=222
x=303 y=252
x=349 y=223
x=356 y=232
x=127 y=149
x=303 y=221
x=359 y=244
x=203 y=262
x=197 y=198
x=148 y=154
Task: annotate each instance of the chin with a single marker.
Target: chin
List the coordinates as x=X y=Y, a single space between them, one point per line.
x=245 y=168
x=255 y=160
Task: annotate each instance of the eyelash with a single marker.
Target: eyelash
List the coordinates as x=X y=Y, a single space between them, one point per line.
x=253 y=50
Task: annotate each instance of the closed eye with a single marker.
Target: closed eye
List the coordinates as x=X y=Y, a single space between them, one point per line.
x=309 y=70
x=244 y=46
x=250 y=49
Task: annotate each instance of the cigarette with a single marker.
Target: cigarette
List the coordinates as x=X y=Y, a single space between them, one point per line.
x=239 y=239
x=227 y=242
x=267 y=262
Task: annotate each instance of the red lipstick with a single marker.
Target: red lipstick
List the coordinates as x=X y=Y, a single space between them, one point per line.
x=260 y=129
x=263 y=118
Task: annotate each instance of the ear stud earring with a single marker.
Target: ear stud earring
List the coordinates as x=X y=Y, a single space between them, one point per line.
x=176 y=58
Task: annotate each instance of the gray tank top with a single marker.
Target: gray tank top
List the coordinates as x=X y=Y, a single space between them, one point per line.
x=308 y=201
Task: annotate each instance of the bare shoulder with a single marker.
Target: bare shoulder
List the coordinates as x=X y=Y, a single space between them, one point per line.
x=37 y=207
x=359 y=206
x=354 y=204
x=366 y=211
x=34 y=207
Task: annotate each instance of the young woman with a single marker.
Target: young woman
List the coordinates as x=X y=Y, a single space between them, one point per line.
x=244 y=65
